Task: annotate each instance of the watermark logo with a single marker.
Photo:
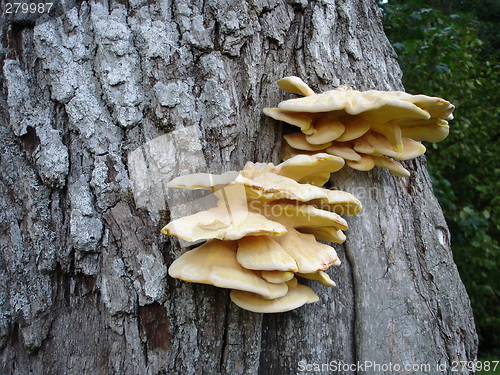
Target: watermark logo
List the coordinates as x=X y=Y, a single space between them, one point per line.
x=153 y=165
x=374 y=367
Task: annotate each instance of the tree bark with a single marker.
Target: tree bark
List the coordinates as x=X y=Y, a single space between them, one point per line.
x=83 y=266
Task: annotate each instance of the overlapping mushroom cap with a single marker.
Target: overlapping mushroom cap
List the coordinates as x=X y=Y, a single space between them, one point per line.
x=271 y=198
x=264 y=238
x=297 y=296
x=226 y=222
x=365 y=128
x=215 y=263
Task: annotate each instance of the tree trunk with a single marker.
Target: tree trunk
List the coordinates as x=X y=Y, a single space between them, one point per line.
x=86 y=100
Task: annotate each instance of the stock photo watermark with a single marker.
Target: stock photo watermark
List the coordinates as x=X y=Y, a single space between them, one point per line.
x=337 y=366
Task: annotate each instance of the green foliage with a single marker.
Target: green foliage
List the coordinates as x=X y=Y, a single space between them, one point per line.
x=441 y=55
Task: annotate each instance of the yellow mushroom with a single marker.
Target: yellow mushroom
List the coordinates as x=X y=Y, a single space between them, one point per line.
x=365 y=164
x=411 y=150
x=202 y=181
x=362 y=146
x=309 y=254
x=252 y=244
x=343 y=150
x=327 y=234
x=345 y=115
x=271 y=186
x=321 y=277
x=298 y=216
x=375 y=144
x=434 y=132
x=299 y=141
x=354 y=127
x=294 y=85
x=277 y=277
x=392 y=132
x=325 y=130
x=288 y=152
x=375 y=106
x=215 y=263
x=302 y=168
x=338 y=201
x=223 y=222
x=265 y=254
x=317 y=179
x=396 y=168
x=302 y=120
x=297 y=296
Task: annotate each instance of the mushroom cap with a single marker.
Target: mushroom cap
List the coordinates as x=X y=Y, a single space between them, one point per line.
x=376 y=106
x=299 y=141
x=309 y=254
x=365 y=164
x=327 y=234
x=302 y=120
x=277 y=277
x=354 y=127
x=396 y=168
x=271 y=186
x=302 y=167
x=297 y=296
x=384 y=117
x=437 y=107
x=411 y=149
x=340 y=202
x=316 y=179
x=376 y=144
x=288 y=151
x=251 y=169
x=202 y=225
x=321 y=277
x=343 y=150
x=231 y=195
x=263 y=253
x=373 y=143
x=215 y=263
x=295 y=85
x=434 y=132
x=392 y=133
x=230 y=222
x=325 y=130
x=202 y=180
x=297 y=215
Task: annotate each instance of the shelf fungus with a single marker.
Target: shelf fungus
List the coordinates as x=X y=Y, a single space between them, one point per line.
x=366 y=129
x=265 y=230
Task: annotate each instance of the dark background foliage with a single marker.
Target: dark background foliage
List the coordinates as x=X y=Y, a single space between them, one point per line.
x=450 y=49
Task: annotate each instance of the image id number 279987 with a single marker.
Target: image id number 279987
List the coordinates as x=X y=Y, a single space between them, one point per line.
x=27 y=7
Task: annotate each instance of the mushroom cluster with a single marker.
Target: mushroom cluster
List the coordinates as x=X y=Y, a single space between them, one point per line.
x=367 y=129
x=264 y=231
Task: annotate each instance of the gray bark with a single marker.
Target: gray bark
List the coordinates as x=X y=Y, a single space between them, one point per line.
x=83 y=267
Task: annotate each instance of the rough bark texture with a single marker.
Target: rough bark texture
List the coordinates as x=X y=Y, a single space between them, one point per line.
x=83 y=268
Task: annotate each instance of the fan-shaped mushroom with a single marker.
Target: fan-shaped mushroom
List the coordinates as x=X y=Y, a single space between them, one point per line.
x=310 y=255
x=223 y=222
x=215 y=263
x=352 y=124
x=253 y=245
x=297 y=296
x=265 y=254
